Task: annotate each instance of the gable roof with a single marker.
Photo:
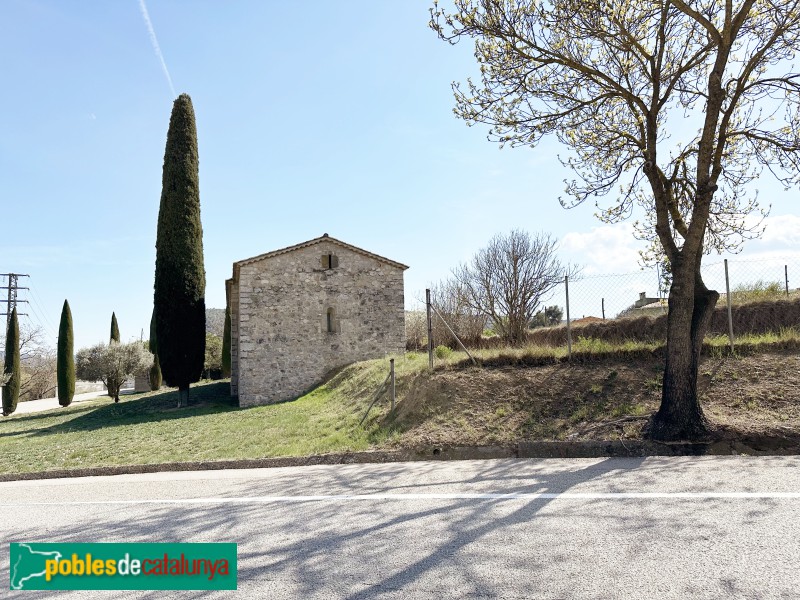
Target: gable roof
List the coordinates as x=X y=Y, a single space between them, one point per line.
x=323 y=238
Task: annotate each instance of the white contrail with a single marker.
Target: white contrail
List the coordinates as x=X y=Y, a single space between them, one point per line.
x=156 y=47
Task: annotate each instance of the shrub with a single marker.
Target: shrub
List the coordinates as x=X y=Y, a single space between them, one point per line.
x=154 y=375
x=756 y=292
x=442 y=352
x=212 y=367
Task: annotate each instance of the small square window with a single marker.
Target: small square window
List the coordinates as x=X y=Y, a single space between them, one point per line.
x=329 y=261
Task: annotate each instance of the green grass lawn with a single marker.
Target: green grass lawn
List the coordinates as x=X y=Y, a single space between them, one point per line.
x=147 y=428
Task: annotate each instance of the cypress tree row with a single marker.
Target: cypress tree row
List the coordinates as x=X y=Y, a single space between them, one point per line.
x=226 y=344
x=155 y=369
x=180 y=281
x=65 y=358
x=12 y=366
x=114 y=329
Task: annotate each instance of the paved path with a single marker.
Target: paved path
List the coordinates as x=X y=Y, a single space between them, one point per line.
x=50 y=403
x=711 y=527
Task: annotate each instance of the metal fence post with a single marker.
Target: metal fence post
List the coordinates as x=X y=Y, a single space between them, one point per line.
x=453 y=333
x=728 y=296
x=569 y=331
x=391 y=372
x=430 y=328
x=603 y=307
x=786 y=278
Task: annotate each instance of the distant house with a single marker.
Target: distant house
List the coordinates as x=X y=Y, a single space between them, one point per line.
x=644 y=301
x=648 y=306
x=645 y=307
x=299 y=312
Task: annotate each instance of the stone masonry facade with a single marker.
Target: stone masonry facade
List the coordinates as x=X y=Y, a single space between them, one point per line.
x=301 y=312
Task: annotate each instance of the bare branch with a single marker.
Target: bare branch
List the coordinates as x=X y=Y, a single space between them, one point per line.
x=508 y=280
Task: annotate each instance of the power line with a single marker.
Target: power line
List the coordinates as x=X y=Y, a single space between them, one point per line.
x=44 y=320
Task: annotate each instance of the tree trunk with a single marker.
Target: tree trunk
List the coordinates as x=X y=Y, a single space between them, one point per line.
x=113 y=389
x=183 y=396
x=691 y=306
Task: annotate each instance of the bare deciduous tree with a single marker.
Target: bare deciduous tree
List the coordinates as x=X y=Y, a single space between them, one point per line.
x=467 y=322
x=508 y=279
x=38 y=376
x=614 y=81
x=37 y=364
x=416 y=329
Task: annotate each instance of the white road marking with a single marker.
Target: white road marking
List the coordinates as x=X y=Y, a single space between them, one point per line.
x=434 y=496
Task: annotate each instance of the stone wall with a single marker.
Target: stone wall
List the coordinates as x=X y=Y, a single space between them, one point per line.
x=232 y=297
x=288 y=341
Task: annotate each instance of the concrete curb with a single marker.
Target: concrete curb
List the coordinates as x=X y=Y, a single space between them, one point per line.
x=635 y=448
x=375 y=456
x=575 y=449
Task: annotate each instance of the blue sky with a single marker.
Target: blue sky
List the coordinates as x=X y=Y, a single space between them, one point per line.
x=312 y=117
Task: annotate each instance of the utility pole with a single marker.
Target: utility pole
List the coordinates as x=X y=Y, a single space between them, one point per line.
x=11 y=302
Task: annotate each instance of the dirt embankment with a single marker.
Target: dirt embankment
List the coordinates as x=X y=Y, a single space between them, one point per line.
x=753 y=318
x=757 y=395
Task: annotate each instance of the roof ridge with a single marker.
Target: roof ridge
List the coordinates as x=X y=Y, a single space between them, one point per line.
x=324 y=237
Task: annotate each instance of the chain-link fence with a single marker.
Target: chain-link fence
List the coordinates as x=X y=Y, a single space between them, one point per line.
x=764 y=298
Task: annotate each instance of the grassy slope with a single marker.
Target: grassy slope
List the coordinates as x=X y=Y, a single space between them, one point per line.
x=147 y=428
x=601 y=395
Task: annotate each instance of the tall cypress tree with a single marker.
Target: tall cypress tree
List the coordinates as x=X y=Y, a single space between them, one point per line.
x=226 y=344
x=114 y=329
x=180 y=280
x=65 y=358
x=12 y=365
x=155 y=369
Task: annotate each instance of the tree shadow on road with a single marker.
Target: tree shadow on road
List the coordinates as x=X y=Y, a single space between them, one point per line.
x=349 y=549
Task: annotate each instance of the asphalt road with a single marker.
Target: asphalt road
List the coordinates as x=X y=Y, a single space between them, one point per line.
x=711 y=527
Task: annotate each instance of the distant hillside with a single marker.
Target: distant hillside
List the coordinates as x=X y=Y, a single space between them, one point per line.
x=215 y=321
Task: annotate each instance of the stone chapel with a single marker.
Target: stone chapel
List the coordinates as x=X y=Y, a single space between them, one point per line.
x=300 y=312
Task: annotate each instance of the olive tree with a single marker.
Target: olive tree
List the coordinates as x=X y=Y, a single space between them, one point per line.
x=112 y=364
x=669 y=107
